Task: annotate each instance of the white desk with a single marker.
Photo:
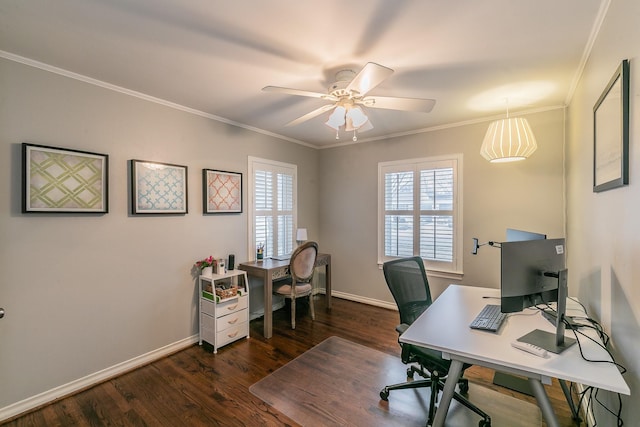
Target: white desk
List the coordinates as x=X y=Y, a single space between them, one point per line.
x=444 y=326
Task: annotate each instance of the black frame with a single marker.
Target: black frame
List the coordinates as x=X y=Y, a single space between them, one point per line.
x=611 y=133
x=136 y=209
x=56 y=181
x=206 y=209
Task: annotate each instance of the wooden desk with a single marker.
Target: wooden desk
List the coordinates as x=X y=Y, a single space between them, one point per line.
x=444 y=326
x=269 y=270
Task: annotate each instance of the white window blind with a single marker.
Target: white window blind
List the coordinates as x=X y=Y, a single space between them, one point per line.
x=272 y=200
x=419 y=211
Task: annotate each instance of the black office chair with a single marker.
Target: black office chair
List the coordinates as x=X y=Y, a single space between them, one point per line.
x=407 y=281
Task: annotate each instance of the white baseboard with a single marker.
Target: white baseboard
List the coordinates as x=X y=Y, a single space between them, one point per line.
x=113 y=371
x=93 y=379
x=364 y=300
x=260 y=312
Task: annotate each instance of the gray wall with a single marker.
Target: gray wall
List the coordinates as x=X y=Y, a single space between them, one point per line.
x=85 y=293
x=603 y=228
x=87 y=296
x=89 y=293
x=524 y=195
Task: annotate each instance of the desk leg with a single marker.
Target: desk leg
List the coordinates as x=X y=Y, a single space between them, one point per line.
x=327 y=284
x=567 y=395
x=268 y=304
x=544 y=403
x=447 y=393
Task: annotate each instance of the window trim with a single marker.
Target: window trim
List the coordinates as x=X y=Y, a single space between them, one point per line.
x=447 y=270
x=272 y=165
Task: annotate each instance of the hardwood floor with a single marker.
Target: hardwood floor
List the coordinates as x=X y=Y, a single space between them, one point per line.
x=197 y=388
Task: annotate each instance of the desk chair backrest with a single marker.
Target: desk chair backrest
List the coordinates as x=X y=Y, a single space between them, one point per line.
x=302 y=262
x=407 y=281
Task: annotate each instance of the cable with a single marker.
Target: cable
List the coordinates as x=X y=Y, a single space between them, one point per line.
x=592 y=392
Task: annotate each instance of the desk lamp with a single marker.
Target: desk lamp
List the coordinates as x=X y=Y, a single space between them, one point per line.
x=301 y=236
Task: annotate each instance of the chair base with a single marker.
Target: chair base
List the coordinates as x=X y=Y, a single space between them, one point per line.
x=436 y=385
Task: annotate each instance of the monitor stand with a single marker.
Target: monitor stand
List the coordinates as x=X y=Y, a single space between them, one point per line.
x=547 y=340
x=554 y=342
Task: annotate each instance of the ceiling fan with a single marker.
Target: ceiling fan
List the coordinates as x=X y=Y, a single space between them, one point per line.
x=348 y=93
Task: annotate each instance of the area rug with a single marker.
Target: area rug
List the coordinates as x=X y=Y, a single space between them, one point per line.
x=337 y=383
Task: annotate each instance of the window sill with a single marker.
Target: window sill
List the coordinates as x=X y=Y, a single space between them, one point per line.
x=450 y=275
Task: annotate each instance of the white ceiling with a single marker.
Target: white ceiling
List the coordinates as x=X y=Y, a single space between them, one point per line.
x=214 y=56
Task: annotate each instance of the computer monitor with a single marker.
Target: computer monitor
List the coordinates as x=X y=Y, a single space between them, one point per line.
x=514 y=235
x=533 y=272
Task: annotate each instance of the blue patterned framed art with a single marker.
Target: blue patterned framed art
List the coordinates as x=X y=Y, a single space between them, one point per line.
x=60 y=180
x=158 y=188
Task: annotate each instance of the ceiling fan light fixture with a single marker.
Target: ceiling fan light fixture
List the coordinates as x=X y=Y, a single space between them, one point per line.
x=508 y=140
x=357 y=116
x=337 y=118
x=348 y=92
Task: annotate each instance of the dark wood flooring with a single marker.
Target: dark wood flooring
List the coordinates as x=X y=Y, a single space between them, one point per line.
x=194 y=387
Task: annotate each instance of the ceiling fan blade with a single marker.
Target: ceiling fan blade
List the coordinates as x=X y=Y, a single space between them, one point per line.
x=311 y=115
x=404 y=104
x=299 y=92
x=371 y=76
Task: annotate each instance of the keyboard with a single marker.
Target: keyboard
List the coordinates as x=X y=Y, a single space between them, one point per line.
x=489 y=319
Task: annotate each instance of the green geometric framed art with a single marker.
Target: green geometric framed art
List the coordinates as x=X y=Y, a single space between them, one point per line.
x=158 y=188
x=60 y=180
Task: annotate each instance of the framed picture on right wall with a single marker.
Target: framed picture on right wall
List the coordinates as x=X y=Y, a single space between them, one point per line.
x=611 y=133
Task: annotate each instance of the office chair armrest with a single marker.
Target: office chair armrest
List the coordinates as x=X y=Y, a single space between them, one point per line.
x=401 y=328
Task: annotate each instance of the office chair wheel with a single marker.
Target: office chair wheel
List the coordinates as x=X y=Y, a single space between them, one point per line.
x=410 y=373
x=484 y=423
x=384 y=394
x=464 y=388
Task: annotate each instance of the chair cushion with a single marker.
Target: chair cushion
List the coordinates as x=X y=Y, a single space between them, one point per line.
x=428 y=358
x=301 y=289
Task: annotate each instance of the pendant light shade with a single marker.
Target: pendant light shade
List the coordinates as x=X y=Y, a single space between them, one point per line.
x=508 y=140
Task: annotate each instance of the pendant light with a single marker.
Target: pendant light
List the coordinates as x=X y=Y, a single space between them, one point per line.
x=507 y=140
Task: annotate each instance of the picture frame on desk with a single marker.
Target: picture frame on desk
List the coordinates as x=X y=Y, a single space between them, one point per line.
x=61 y=180
x=611 y=133
x=221 y=192
x=158 y=188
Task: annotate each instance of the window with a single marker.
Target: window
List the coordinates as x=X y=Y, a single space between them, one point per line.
x=419 y=211
x=273 y=207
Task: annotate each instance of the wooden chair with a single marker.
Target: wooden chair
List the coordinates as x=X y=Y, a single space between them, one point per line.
x=301 y=268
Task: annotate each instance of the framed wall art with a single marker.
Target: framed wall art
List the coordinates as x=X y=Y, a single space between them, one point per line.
x=158 y=188
x=221 y=191
x=60 y=180
x=611 y=133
